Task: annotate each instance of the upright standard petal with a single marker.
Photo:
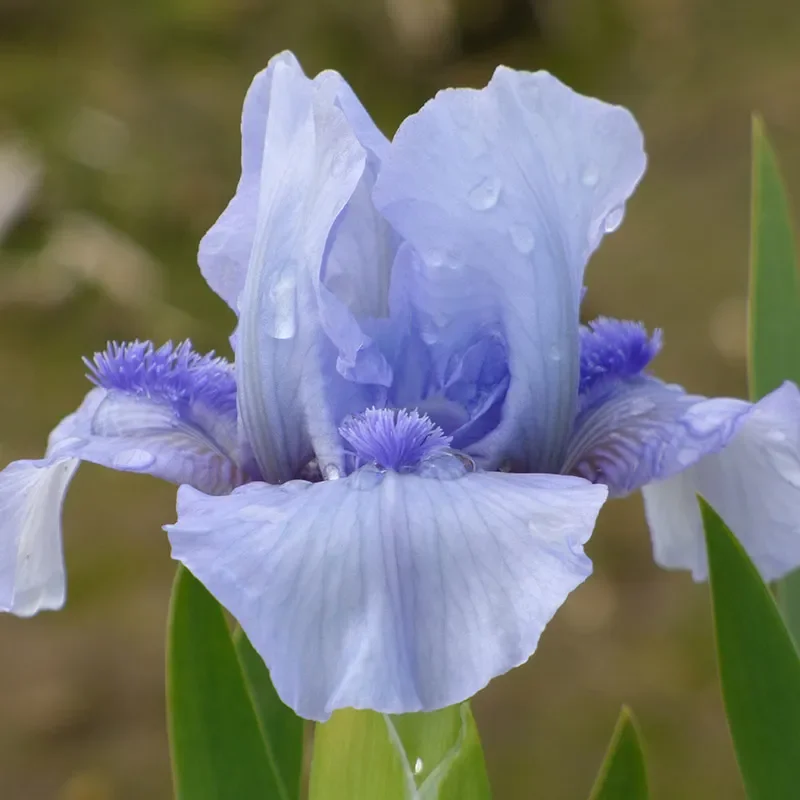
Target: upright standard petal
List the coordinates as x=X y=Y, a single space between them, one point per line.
x=166 y=412
x=224 y=251
x=506 y=192
x=289 y=395
x=753 y=483
x=394 y=592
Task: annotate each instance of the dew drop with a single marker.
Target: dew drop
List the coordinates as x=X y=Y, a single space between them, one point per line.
x=485 y=195
x=442 y=259
x=775 y=436
x=686 y=457
x=331 y=472
x=429 y=334
x=133 y=459
x=281 y=323
x=613 y=219
x=418 y=766
x=435 y=258
x=367 y=478
x=555 y=353
x=590 y=176
x=522 y=238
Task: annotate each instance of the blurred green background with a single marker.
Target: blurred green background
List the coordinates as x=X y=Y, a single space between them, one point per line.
x=118 y=148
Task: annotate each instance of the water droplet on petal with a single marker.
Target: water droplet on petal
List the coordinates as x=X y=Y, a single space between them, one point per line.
x=435 y=258
x=418 y=766
x=590 y=176
x=555 y=353
x=331 y=472
x=281 y=321
x=775 y=436
x=522 y=238
x=429 y=334
x=614 y=219
x=133 y=459
x=686 y=457
x=438 y=259
x=367 y=478
x=485 y=195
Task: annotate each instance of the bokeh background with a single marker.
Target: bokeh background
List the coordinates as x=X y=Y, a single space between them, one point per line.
x=118 y=148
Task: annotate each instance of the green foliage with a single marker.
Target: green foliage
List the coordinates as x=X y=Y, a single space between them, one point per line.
x=362 y=755
x=759 y=668
x=774 y=314
x=218 y=751
x=623 y=775
x=281 y=727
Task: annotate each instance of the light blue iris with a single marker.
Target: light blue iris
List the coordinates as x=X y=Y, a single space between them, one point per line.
x=392 y=491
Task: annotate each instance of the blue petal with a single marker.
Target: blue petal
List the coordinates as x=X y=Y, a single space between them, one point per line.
x=31 y=557
x=753 y=483
x=134 y=434
x=224 y=252
x=292 y=324
x=631 y=432
x=388 y=591
x=506 y=192
x=615 y=349
x=116 y=429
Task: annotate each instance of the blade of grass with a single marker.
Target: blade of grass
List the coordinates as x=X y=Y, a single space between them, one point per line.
x=759 y=668
x=774 y=306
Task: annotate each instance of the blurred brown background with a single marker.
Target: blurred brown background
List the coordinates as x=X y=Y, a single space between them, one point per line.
x=119 y=146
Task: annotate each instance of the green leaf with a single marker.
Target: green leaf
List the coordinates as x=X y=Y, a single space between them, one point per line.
x=774 y=313
x=281 y=727
x=759 y=668
x=217 y=748
x=623 y=775
x=362 y=755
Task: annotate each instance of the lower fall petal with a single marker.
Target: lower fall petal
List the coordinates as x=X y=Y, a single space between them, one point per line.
x=31 y=558
x=629 y=433
x=393 y=592
x=754 y=485
x=171 y=425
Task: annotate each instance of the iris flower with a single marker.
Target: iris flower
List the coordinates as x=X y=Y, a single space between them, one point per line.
x=392 y=490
